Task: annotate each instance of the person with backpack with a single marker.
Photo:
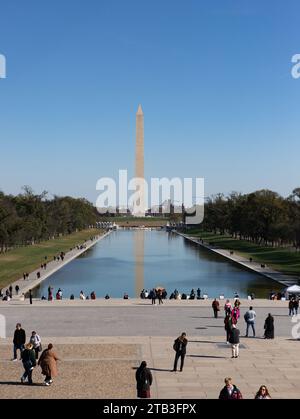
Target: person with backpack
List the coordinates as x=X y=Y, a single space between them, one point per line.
x=29 y=362
x=249 y=317
x=230 y=391
x=144 y=380
x=179 y=347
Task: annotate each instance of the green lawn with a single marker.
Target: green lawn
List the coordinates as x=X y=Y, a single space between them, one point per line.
x=281 y=259
x=29 y=258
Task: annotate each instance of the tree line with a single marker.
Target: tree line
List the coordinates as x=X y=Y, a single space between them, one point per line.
x=29 y=218
x=263 y=217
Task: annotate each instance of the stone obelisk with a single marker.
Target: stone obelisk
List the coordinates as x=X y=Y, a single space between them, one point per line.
x=139 y=163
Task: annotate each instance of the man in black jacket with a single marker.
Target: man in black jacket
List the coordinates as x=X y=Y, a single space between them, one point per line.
x=19 y=340
x=180 y=348
x=234 y=339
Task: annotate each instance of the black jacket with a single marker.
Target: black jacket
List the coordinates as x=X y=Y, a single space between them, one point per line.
x=19 y=337
x=180 y=345
x=28 y=356
x=143 y=378
x=234 y=336
x=235 y=395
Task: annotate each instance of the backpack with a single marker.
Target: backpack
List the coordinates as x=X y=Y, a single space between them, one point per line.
x=175 y=345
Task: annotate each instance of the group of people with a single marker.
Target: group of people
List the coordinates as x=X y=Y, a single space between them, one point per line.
x=8 y=294
x=29 y=355
x=230 y=391
x=293 y=306
x=82 y=296
x=232 y=315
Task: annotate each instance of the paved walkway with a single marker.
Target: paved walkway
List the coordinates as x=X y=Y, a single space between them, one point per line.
x=116 y=318
x=107 y=365
x=52 y=266
x=268 y=272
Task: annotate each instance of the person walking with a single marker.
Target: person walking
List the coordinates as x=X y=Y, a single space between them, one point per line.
x=48 y=363
x=269 y=327
x=230 y=391
x=36 y=342
x=10 y=291
x=180 y=347
x=17 y=289
x=19 y=340
x=216 y=307
x=29 y=362
x=228 y=326
x=144 y=380
x=262 y=393
x=234 y=339
x=249 y=317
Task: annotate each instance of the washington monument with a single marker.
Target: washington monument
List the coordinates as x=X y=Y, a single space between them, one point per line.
x=139 y=207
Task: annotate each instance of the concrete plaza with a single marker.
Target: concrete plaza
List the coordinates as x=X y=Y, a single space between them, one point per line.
x=101 y=344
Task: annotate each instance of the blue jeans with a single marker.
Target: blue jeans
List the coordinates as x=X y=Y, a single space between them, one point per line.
x=15 y=350
x=253 y=329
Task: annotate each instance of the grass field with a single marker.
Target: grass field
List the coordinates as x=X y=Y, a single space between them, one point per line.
x=29 y=258
x=283 y=260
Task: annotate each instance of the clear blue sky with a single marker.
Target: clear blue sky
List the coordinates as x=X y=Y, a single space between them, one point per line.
x=213 y=77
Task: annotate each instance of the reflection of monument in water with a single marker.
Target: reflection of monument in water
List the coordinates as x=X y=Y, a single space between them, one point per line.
x=139 y=260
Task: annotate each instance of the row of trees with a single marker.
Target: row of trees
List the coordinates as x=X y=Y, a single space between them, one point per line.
x=28 y=218
x=263 y=217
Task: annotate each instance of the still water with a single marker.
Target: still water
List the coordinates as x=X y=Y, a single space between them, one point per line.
x=130 y=260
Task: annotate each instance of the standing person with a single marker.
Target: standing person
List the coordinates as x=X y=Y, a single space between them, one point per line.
x=48 y=363
x=291 y=307
x=216 y=307
x=29 y=362
x=296 y=306
x=10 y=291
x=262 y=393
x=17 y=289
x=228 y=326
x=153 y=296
x=249 y=317
x=180 y=347
x=19 y=340
x=230 y=391
x=50 y=293
x=234 y=339
x=198 y=294
x=159 y=296
x=144 y=380
x=235 y=315
x=36 y=342
x=227 y=307
x=30 y=296
x=269 y=327
x=24 y=276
